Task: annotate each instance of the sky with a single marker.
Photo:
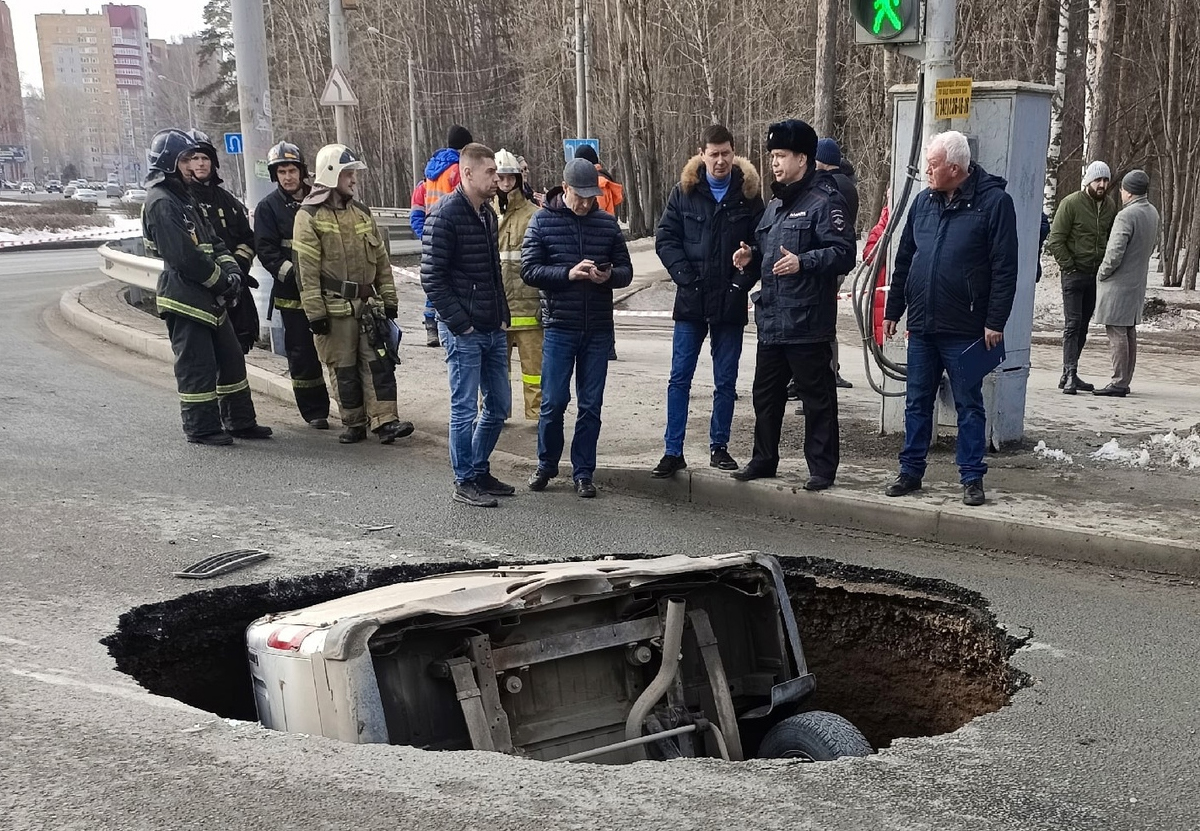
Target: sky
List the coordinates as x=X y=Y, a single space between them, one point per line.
x=168 y=20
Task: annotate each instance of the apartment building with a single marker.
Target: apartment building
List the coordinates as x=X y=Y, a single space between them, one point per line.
x=13 y=150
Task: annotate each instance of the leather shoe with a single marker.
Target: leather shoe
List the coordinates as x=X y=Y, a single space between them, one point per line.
x=319 y=424
x=540 y=479
x=1082 y=385
x=903 y=484
x=221 y=439
x=256 y=431
x=1069 y=387
x=841 y=383
x=393 y=430
x=668 y=466
x=1062 y=382
x=752 y=471
x=818 y=483
x=1111 y=391
x=353 y=435
x=585 y=488
x=973 y=492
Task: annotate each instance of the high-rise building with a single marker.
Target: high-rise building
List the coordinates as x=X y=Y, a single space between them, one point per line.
x=131 y=61
x=13 y=150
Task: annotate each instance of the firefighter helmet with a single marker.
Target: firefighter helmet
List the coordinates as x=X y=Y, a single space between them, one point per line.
x=332 y=159
x=204 y=145
x=507 y=163
x=166 y=147
x=285 y=153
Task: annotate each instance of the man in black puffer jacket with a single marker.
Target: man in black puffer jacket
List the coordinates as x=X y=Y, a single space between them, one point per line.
x=460 y=272
x=802 y=245
x=715 y=206
x=575 y=255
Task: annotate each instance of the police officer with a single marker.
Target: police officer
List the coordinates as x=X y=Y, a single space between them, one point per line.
x=199 y=282
x=801 y=246
x=273 y=220
x=345 y=281
x=229 y=219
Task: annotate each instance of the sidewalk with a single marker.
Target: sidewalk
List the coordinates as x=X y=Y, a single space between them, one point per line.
x=1137 y=514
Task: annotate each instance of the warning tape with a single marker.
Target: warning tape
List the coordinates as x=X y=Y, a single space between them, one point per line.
x=69 y=236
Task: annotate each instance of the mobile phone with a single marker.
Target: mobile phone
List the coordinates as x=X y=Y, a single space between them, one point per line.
x=602 y=266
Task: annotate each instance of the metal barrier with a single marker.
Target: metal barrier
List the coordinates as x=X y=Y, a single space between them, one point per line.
x=131 y=269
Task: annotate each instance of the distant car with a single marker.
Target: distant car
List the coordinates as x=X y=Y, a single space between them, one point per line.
x=54 y=186
x=27 y=187
x=7 y=185
x=134 y=196
x=69 y=190
x=113 y=190
x=87 y=195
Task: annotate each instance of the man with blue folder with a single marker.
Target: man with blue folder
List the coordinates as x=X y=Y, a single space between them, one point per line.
x=956 y=275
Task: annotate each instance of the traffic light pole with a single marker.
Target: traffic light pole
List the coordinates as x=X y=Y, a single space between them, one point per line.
x=938 y=62
x=254 y=96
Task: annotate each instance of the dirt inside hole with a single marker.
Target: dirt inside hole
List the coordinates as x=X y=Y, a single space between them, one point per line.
x=897 y=655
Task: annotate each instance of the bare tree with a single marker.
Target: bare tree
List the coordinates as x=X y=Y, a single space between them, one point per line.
x=826 y=65
x=1054 y=154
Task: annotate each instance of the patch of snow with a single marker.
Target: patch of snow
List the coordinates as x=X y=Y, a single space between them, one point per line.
x=1181 y=451
x=1167 y=450
x=1111 y=451
x=1052 y=453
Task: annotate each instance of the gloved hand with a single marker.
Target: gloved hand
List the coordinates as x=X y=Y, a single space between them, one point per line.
x=320 y=326
x=250 y=281
x=390 y=312
x=234 y=292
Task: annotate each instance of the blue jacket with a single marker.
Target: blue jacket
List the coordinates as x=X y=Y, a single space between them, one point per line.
x=460 y=265
x=956 y=267
x=555 y=242
x=441 y=161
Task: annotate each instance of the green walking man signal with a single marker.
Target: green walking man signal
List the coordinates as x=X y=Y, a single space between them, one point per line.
x=886 y=21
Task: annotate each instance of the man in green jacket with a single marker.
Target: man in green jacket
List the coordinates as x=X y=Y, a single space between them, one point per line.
x=1078 y=237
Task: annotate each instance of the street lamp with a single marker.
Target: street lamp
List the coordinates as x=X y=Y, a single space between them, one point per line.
x=191 y=117
x=412 y=105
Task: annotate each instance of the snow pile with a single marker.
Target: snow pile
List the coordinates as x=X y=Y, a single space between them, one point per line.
x=1051 y=453
x=1167 y=450
x=121 y=226
x=1111 y=451
x=1181 y=451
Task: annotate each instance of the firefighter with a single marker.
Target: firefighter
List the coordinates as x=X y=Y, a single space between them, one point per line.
x=273 y=220
x=228 y=218
x=346 y=286
x=525 y=331
x=199 y=282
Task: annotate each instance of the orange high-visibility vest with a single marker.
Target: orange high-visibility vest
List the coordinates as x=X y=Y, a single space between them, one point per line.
x=443 y=185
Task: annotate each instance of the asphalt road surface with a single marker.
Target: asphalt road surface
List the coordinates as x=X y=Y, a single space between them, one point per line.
x=100 y=499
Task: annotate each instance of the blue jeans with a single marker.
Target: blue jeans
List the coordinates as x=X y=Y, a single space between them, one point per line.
x=928 y=356
x=477 y=362
x=429 y=310
x=725 y=343
x=566 y=351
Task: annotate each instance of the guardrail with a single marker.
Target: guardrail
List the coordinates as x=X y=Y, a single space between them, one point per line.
x=131 y=269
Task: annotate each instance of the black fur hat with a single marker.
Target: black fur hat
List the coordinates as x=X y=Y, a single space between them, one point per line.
x=794 y=135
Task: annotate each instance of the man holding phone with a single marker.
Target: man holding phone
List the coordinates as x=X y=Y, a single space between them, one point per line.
x=575 y=255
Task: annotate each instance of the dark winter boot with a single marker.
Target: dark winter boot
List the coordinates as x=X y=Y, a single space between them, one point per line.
x=1080 y=384
x=1067 y=384
x=431 y=333
x=1062 y=381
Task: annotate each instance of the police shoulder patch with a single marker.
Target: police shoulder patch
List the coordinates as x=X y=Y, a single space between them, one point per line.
x=837 y=218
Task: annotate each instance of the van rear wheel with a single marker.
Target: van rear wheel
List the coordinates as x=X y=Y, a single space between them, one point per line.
x=815 y=736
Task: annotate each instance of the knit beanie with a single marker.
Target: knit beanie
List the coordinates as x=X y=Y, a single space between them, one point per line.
x=829 y=153
x=586 y=151
x=459 y=138
x=1136 y=182
x=1096 y=170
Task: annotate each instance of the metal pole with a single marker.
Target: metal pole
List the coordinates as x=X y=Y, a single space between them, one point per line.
x=587 y=73
x=339 y=56
x=254 y=95
x=938 y=63
x=412 y=122
x=580 y=75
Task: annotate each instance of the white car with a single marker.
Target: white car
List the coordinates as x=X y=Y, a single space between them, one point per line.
x=134 y=196
x=86 y=195
x=563 y=661
x=27 y=187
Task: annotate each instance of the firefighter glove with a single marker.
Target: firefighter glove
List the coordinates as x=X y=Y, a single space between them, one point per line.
x=320 y=326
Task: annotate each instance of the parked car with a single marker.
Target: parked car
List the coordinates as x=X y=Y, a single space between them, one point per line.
x=5 y=184
x=564 y=661
x=113 y=190
x=27 y=187
x=134 y=196
x=87 y=195
x=69 y=190
x=54 y=186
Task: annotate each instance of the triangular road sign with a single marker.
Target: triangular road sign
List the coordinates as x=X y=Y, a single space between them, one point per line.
x=337 y=90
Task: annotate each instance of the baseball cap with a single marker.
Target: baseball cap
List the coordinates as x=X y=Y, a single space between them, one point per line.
x=582 y=177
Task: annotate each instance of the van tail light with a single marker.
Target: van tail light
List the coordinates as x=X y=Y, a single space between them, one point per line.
x=289 y=637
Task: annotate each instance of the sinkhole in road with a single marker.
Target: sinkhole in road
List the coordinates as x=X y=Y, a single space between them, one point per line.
x=896 y=654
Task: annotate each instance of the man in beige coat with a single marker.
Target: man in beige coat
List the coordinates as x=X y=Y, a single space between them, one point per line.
x=1122 y=278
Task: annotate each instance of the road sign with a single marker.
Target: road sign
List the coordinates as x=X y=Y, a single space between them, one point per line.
x=337 y=90
x=233 y=144
x=12 y=153
x=571 y=145
x=952 y=98
x=886 y=21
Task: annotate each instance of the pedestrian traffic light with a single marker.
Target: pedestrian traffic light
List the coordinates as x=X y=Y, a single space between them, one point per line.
x=886 y=21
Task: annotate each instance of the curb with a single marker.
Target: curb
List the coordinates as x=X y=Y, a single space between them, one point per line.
x=844 y=509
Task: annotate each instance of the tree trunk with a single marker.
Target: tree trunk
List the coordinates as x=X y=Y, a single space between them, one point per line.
x=825 y=69
x=1101 y=26
x=1050 y=194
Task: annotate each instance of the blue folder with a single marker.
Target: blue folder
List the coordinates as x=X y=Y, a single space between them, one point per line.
x=977 y=360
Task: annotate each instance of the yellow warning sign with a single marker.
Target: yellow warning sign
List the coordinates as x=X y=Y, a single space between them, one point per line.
x=952 y=98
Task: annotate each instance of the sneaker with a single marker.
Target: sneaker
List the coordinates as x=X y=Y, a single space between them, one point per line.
x=256 y=431
x=720 y=458
x=353 y=435
x=540 y=479
x=585 y=488
x=492 y=486
x=393 y=430
x=973 y=492
x=319 y=424
x=667 y=466
x=469 y=493
x=903 y=484
x=841 y=383
x=221 y=439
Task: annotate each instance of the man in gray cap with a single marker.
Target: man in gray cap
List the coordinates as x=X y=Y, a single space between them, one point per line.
x=1122 y=277
x=575 y=255
x=1077 y=239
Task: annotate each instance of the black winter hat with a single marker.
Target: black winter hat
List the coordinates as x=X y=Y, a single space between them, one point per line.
x=794 y=135
x=459 y=137
x=586 y=151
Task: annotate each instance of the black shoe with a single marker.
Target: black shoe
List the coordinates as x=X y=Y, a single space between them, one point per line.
x=540 y=478
x=752 y=471
x=1062 y=382
x=469 y=493
x=793 y=392
x=1082 y=385
x=255 y=432
x=973 y=492
x=221 y=439
x=353 y=435
x=841 y=382
x=492 y=486
x=818 y=483
x=667 y=466
x=319 y=424
x=431 y=333
x=903 y=484
x=1111 y=391
x=585 y=488
x=720 y=459
x=393 y=430
x=1069 y=387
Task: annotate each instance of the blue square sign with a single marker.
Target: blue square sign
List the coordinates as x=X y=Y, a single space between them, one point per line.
x=570 y=145
x=233 y=144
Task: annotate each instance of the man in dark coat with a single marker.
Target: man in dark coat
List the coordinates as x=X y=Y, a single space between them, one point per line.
x=830 y=159
x=802 y=245
x=715 y=206
x=956 y=275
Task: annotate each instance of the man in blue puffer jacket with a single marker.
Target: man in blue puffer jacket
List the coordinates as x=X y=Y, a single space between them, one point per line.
x=956 y=274
x=575 y=254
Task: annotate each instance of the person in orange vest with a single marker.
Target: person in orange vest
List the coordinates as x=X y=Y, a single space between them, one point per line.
x=441 y=178
x=612 y=194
